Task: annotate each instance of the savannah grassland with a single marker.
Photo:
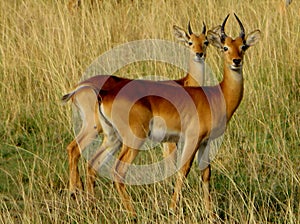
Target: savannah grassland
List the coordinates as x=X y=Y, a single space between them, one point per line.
x=45 y=49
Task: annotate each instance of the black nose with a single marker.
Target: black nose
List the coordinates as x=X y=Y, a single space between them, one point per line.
x=199 y=55
x=237 y=61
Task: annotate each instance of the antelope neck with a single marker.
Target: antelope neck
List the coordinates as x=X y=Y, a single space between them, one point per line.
x=232 y=87
x=196 y=71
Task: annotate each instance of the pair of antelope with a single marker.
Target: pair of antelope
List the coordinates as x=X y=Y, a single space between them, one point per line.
x=195 y=115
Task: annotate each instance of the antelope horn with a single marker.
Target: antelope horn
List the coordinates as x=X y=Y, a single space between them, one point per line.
x=223 y=34
x=189 y=28
x=242 y=34
x=204 y=28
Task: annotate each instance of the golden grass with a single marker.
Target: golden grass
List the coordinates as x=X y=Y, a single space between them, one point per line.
x=44 y=50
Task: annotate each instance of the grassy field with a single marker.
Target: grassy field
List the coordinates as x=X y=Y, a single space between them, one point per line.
x=44 y=50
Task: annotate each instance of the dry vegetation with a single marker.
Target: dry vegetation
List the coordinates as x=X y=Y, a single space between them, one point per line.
x=44 y=49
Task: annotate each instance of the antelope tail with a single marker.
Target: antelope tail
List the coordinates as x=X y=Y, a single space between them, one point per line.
x=67 y=97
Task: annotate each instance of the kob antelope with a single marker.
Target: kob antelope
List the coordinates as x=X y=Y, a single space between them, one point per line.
x=85 y=99
x=193 y=115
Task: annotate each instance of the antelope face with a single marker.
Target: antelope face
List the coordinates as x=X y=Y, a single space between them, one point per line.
x=234 y=52
x=234 y=49
x=196 y=43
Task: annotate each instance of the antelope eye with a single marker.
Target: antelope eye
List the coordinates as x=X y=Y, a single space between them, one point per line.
x=206 y=43
x=190 y=43
x=225 y=48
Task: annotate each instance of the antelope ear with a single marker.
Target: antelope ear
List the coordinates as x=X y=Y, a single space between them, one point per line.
x=217 y=30
x=253 y=37
x=180 y=34
x=214 y=39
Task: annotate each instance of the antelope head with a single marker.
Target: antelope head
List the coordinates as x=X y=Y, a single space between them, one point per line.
x=196 y=43
x=234 y=49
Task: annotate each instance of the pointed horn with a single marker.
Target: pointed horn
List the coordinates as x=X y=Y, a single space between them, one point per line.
x=242 y=34
x=189 y=28
x=223 y=34
x=204 y=28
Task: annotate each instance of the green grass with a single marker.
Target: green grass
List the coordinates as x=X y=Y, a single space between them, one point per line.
x=44 y=50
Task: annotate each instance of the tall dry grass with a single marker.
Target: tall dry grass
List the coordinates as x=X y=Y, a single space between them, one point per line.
x=44 y=51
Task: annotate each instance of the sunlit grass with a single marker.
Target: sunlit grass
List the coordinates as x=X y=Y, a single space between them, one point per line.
x=44 y=50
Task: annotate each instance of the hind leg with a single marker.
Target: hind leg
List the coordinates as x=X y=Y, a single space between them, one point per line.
x=85 y=99
x=74 y=154
x=170 y=157
x=75 y=182
x=125 y=159
x=105 y=153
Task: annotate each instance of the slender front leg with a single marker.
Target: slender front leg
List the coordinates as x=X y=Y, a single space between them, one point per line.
x=123 y=163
